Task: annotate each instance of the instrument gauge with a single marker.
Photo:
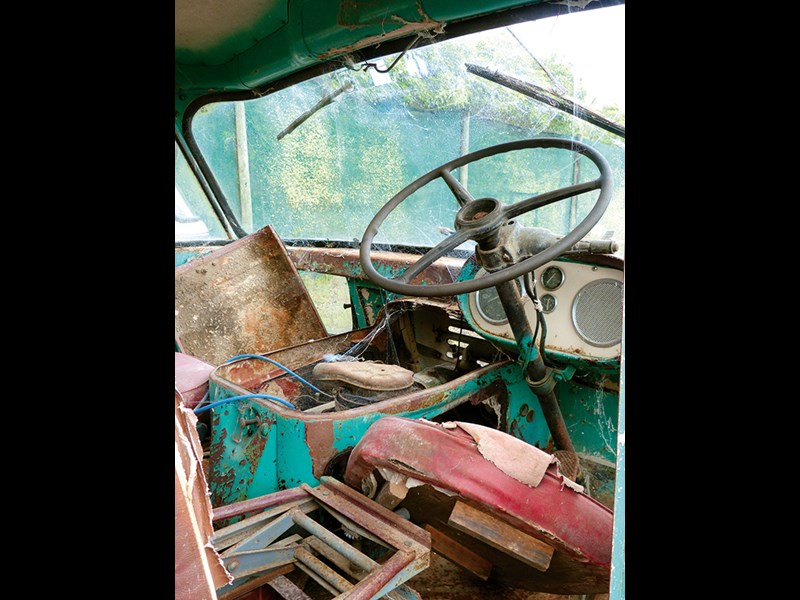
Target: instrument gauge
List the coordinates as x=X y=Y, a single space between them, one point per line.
x=552 y=278
x=548 y=303
x=490 y=307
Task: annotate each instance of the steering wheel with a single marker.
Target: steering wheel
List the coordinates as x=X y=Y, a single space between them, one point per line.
x=479 y=219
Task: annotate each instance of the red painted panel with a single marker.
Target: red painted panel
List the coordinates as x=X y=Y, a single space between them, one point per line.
x=449 y=458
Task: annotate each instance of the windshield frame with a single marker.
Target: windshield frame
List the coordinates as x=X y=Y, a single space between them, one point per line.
x=216 y=195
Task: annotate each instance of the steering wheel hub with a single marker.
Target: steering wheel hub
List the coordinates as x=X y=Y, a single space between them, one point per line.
x=481 y=217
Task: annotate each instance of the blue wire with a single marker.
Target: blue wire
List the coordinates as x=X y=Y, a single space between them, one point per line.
x=243 y=397
x=203 y=399
x=280 y=366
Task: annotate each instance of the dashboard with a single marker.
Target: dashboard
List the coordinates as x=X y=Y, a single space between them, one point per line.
x=582 y=305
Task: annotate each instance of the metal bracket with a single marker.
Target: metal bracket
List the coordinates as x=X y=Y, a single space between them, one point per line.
x=286 y=535
x=545 y=385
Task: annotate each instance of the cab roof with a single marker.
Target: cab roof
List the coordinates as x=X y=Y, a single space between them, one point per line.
x=243 y=45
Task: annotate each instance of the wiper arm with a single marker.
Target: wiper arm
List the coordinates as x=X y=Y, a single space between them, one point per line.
x=327 y=99
x=543 y=95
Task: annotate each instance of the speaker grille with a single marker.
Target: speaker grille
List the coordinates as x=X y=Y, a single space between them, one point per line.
x=597 y=313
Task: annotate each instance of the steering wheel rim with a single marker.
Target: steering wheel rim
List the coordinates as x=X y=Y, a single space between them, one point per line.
x=480 y=217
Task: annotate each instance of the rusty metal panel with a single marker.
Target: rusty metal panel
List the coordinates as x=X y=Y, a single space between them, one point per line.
x=244 y=298
x=198 y=569
x=345 y=262
x=287 y=589
x=263 y=550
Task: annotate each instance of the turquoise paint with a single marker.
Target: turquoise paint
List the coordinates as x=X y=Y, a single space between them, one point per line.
x=527 y=351
x=184 y=255
x=524 y=414
x=591 y=416
x=356 y=307
x=239 y=473
x=292 y=456
x=296 y=35
x=236 y=476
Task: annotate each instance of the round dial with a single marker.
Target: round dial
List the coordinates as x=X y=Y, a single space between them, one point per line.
x=489 y=305
x=548 y=303
x=552 y=278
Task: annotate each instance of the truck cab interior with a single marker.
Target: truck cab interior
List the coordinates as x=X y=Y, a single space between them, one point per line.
x=399 y=299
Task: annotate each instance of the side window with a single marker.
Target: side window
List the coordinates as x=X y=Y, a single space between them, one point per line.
x=331 y=297
x=195 y=219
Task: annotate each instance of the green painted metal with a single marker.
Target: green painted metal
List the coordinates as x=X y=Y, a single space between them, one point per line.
x=184 y=255
x=524 y=417
x=273 y=454
x=239 y=466
x=355 y=302
x=591 y=417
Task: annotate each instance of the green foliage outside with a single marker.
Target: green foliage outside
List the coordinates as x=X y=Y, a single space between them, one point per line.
x=328 y=177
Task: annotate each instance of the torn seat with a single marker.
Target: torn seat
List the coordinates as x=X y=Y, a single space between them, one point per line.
x=495 y=505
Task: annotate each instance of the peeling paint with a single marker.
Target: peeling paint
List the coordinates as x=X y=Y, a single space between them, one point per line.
x=428 y=27
x=319 y=439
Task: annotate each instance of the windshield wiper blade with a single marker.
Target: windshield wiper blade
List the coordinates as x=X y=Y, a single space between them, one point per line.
x=327 y=99
x=543 y=95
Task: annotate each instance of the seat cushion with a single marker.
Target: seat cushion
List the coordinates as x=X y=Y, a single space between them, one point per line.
x=191 y=378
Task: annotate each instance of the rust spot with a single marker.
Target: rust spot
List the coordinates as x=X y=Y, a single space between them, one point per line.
x=254 y=448
x=319 y=439
x=352 y=17
x=479 y=215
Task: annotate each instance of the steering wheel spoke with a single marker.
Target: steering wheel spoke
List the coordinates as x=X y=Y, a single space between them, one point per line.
x=459 y=191
x=540 y=200
x=439 y=250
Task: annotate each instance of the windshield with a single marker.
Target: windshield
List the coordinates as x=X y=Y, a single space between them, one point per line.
x=318 y=159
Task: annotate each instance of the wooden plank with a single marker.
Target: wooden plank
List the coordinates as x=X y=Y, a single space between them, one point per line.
x=501 y=536
x=458 y=554
x=410 y=340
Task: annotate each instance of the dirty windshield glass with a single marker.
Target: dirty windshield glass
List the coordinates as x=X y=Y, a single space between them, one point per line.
x=317 y=160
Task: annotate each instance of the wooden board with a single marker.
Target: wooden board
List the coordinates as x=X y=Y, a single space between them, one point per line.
x=460 y=555
x=501 y=536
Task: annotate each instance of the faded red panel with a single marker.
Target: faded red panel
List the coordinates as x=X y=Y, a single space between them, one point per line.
x=244 y=298
x=579 y=527
x=191 y=378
